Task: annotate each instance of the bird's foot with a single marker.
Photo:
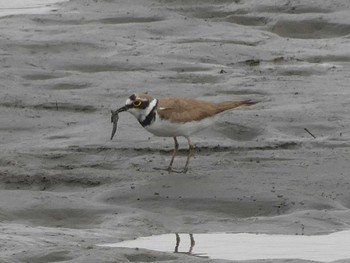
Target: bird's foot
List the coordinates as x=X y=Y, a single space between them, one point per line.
x=171 y=170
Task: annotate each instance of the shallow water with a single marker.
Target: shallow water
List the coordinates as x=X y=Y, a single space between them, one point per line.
x=26 y=6
x=244 y=246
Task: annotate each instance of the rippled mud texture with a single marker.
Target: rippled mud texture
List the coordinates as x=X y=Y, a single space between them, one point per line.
x=65 y=186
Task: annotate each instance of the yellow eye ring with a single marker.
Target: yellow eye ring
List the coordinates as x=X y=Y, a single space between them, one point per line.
x=136 y=103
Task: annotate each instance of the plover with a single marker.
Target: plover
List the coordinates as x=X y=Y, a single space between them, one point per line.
x=175 y=116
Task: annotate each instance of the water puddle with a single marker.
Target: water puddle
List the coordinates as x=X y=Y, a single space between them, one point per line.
x=14 y=7
x=244 y=246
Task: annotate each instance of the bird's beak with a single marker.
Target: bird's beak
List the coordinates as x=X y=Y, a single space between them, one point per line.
x=124 y=108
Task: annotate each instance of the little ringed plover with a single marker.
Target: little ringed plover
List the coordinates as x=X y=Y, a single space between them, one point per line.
x=175 y=116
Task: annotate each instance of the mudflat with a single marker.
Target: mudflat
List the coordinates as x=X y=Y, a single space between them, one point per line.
x=281 y=166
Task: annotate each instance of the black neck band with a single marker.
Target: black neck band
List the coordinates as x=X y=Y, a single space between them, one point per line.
x=150 y=117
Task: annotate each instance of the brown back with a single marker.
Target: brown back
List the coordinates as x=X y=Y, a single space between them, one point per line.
x=180 y=109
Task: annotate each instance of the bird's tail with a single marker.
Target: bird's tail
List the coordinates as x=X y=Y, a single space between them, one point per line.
x=228 y=105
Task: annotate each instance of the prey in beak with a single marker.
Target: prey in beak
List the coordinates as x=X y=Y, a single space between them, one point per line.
x=115 y=118
x=138 y=107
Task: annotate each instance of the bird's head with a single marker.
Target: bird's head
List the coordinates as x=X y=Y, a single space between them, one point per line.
x=139 y=105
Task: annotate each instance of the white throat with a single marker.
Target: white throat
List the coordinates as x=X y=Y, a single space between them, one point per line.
x=141 y=114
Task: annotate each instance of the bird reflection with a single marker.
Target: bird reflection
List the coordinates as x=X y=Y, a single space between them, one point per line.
x=178 y=240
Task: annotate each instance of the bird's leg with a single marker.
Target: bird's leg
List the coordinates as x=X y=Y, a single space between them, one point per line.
x=177 y=243
x=190 y=148
x=192 y=244
x=176 y=148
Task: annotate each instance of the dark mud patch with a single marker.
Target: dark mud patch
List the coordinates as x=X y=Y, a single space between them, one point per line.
x=247 y=20
x=268 y=147
x=61 y=106
x=145 y=257
x=189 y=69
x=56 y=256
x=298 y=71
x=264 y=159
x=56 y=217
x=70 y=86
x=96 y=68
x=240 y=208
x=91 y=149
x=218 y=41
x=67 y=161
x=205 y=150
x=331 y=144
x=44 y=76
x=237 y=207
x=92 y=165
x=45 y=181
x=16 y=128
x=242 y=92
x=345 y=200
x=129 y=20
x=195 y=2
x=328 y=58
x=309 y=29
x=193 y=78
x=14 y=104
x=56 y=106
x=207 y=12
x=58 y=137
x=55 y=47
x=107 y=20
x=292 y=8
x=254 y=62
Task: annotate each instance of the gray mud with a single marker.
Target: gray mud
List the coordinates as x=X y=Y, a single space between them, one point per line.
x=65 y=187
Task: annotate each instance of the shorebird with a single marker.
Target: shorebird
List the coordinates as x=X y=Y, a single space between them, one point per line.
x=174 y=117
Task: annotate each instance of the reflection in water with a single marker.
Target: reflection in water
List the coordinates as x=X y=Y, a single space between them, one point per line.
x=178 y=240
x=244 y=246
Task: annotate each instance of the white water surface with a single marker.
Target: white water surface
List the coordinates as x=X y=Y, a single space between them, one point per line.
x=14 y=7
x=244 y=246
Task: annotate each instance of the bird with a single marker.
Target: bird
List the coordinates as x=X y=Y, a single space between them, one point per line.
x=175 y=117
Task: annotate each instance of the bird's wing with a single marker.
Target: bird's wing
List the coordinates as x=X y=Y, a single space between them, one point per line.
x=179 y=109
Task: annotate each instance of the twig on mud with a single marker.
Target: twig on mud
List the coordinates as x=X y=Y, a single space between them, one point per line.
x=310 y=133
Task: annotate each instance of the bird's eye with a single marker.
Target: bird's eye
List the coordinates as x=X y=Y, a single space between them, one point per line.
x=136 y=103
